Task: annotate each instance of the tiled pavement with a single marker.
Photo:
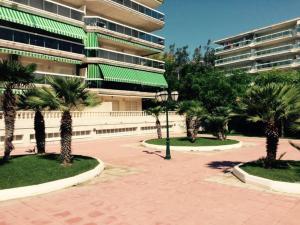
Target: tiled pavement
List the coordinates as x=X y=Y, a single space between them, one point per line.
x=140 y=188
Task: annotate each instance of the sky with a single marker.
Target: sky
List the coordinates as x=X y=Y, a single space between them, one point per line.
x=194 y=22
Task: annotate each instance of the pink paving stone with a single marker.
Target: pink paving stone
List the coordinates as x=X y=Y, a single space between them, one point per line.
x=162 y=192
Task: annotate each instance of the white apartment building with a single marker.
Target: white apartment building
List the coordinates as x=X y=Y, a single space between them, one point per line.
x=273 y=47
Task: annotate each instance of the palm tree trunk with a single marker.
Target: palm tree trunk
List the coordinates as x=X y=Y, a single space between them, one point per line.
x=189 y=127
x=197 y=126
x=158 y=128
x=272 y=135
x=66 y=138
x=9 y=109
x=40 y=135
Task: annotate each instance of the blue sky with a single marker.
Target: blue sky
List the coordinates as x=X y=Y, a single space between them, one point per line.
x=193 y=22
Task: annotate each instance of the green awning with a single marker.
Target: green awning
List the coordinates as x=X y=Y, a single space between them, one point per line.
x=94 y=72
x=91 y=40
x=35 y=21
x=38 y=55
x=132 y=76
x=108 y=37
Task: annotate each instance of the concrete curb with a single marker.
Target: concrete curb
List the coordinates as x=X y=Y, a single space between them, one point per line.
x=285 y=187
x=27 y=191
x=196 y=149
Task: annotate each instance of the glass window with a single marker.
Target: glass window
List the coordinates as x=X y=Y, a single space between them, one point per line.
x=64 y=11
x=22 y=37
x=76 y=15
x=6 y=34
x=50 y=7
x=37 y=4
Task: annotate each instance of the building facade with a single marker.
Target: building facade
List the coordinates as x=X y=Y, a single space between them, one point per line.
x=106 y=43
x=272 y=47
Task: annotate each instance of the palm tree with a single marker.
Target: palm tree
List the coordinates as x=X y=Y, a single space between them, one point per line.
x=156 y=111
x=194 y=113
x=72 y=94
x=39 y=99
x=183 y=108
x=270 y=104
x=12 y=75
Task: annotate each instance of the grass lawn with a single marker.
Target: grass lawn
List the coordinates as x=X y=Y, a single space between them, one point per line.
x=201 y=141
x=287 y=171
x=36 y=169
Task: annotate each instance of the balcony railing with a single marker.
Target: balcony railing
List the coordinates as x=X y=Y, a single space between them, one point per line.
x=274 y=64
x=125 y=58
x=234 y=45
x=233 y=58
x=273 y=36
x=41 y=77
x=142 y=9
x=25 y=37
x=54 y=7
x=122 y=29
x=274 y=50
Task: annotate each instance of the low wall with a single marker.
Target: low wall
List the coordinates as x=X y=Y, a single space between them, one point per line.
x=90 y=125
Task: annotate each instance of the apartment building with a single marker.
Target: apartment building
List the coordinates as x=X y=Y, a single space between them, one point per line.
x=272 y=47
x=106 y=43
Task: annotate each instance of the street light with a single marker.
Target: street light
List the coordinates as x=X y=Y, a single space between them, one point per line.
x=164 y=97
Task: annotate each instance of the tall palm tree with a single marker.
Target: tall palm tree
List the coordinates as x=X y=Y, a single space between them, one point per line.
x=39 y=99
x=270 y=104
x=72 y=94
x=13 y=75
x=156 y=111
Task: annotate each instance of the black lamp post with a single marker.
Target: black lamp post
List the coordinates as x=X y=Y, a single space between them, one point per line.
x=164 y=97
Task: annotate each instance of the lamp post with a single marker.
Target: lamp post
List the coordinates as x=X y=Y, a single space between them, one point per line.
x=164 y=97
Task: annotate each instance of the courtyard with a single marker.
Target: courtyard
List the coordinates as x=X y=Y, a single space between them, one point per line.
x=139 y=187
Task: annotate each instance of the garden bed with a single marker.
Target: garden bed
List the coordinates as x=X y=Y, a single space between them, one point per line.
x=31 y=175
x=285 y=177
x=201 y=144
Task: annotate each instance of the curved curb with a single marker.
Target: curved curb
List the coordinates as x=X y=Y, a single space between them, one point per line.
x=28 y=191
x=196 y=149
x=279 y=186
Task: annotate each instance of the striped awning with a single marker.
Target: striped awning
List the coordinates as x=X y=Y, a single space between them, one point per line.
x=132 y=76
x=35 y=21
x=91 y=40
x=122 y=41
x=38 y=55
x=94 y=72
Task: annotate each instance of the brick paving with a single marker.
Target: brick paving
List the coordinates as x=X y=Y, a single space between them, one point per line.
x=140 y=188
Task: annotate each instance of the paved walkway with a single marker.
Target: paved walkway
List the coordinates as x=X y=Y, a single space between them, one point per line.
x=140 y=188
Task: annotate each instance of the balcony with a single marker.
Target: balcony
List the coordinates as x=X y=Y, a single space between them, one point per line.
x=233 y=46
x=128 y=12
x=124 y=30
x=233 y=59
x=276 y=50
x=54 y=7
x=109 y=55
x=274 y=36
x=41 y=77
x=39 y=40
x=276 y=64
x=151 y=3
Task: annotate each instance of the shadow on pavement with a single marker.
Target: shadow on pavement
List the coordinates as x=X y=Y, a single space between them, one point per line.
x=225 y=166
x=154 y=153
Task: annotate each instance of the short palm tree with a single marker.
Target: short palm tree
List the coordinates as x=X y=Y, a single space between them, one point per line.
x=156 y=111
x=39 y=99
x=194 y=113
x=72 y=94
x=270 y=104
x=13 y=75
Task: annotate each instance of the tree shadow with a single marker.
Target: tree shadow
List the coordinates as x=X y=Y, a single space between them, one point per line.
x=225 y=166
x=154 y=153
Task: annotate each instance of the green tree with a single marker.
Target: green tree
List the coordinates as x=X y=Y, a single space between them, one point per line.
x=270 y=104
x=39 y=99
x=72 y=94
x=13 y=75
x=156 y=111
